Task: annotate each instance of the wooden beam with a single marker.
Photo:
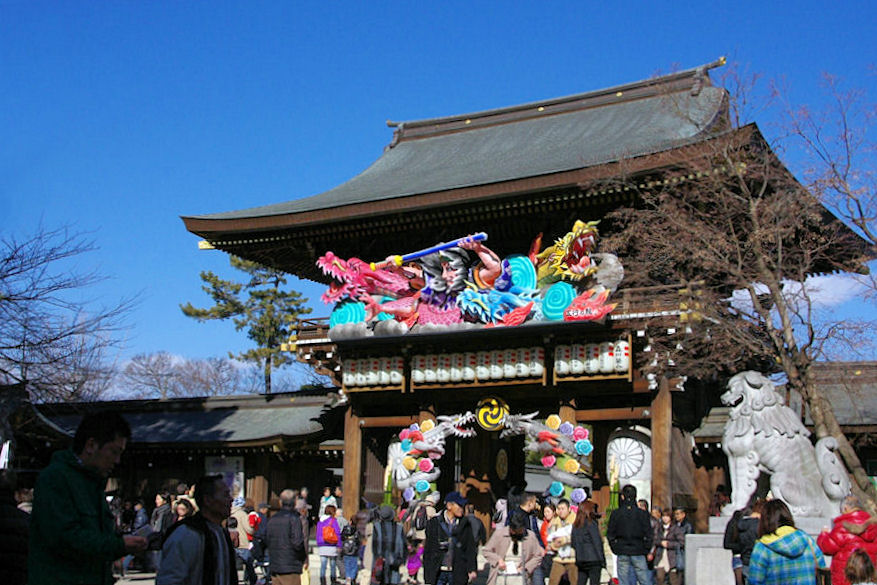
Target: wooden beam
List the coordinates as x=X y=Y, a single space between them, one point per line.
x=387 y=421
x=639 y=412
x=352 y=487
x=662 y=428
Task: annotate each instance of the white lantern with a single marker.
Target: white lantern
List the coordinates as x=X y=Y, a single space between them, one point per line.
x=592 y=360
x=522 y=367
x=537 y=361
x=482 y=368
x=470 y=362
x=457 y=360
x=431 y=370
x=561 y=360
x=418 y=369
x=622 y=356
x=443 y=371
x=577 y=360
x=496 y=359
x=607 y=358
x=348 y=373
x=371 y=371
x=509 y=358
x=361 y=366
x=384 y=371
x=396 y=365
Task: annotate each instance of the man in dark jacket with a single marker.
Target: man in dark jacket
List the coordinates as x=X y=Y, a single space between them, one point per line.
x=198 y=550
x=285 y=542
x=630 y=537
x=450 y=553
x=72 y=531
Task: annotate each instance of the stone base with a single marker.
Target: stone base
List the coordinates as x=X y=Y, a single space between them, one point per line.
x=707 y=561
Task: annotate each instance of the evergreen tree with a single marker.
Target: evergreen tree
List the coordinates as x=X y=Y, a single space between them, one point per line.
x=267 y=312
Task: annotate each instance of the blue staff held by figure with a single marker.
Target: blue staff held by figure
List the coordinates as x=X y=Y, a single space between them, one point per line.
x=399 y=260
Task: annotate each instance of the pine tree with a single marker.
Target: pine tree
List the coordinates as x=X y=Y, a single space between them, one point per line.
x=267 y=312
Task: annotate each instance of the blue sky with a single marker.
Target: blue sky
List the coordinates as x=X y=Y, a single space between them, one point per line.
x=118 y=117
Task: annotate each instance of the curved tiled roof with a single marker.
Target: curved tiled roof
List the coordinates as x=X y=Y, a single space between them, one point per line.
x=540 y=138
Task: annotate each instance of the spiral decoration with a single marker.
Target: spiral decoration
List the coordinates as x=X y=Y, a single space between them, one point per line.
x=427 y=425
x=578 y=496
x=422 y=486
x=556 y=489
x=557 y=299
x=491 y=413
x=552 y=422
x=523 y=272
x=347 y=312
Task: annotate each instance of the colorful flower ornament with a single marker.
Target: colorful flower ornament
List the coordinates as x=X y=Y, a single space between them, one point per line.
x=580 y=433
x=414 y=427
x=415 y=436
x=571 y=466
x=552 y=422
x=406 y=445
x=422 y=486
x=556 y=489
x=427 y=425
x=409 y=463
x=426 y=465
x=578 y=496
x=584 y=447
x=549 y=461
x=403 y=434
x=408 y=494
x=566 y=428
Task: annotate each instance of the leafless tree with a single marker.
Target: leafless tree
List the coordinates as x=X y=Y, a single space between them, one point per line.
x=164 y=375
x=730 y=221
x=51 y=337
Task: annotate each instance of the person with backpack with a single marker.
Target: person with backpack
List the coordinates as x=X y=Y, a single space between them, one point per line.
x=350 y=545
x=388 y=548
x=328 y=544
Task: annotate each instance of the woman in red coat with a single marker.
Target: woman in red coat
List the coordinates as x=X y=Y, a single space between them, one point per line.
x=852 y=530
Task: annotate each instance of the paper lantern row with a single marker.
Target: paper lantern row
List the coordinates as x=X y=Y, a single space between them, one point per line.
x=385 y=371
x=525 y=362
x=592 y=358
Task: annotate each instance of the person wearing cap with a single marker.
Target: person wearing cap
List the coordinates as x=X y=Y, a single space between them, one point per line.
x=450 y=553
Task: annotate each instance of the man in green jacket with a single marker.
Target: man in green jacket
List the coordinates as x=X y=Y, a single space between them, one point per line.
x=72 y=533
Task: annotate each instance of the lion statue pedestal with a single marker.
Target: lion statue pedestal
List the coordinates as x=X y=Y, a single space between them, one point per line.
x=764 y=435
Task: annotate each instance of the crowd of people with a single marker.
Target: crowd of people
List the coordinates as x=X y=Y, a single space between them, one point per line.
x=202 y=535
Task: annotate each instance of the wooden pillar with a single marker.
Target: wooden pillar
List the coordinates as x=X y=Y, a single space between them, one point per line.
x=567 y=411
x=352 y=486
x=662 y=427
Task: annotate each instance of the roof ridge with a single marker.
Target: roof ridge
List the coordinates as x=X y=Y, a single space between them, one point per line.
x=404 y=128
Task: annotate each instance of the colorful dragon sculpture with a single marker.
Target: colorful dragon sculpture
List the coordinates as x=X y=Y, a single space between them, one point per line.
x=465 y=283
x=411 y=459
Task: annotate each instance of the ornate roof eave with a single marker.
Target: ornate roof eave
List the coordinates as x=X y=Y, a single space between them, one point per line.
x=506 y=146
x=217 y=230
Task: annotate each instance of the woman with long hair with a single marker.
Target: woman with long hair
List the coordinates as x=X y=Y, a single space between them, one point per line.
x=588 y=544
x=783 y=555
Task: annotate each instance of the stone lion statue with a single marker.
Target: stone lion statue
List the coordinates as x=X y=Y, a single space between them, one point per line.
x=764 y=435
